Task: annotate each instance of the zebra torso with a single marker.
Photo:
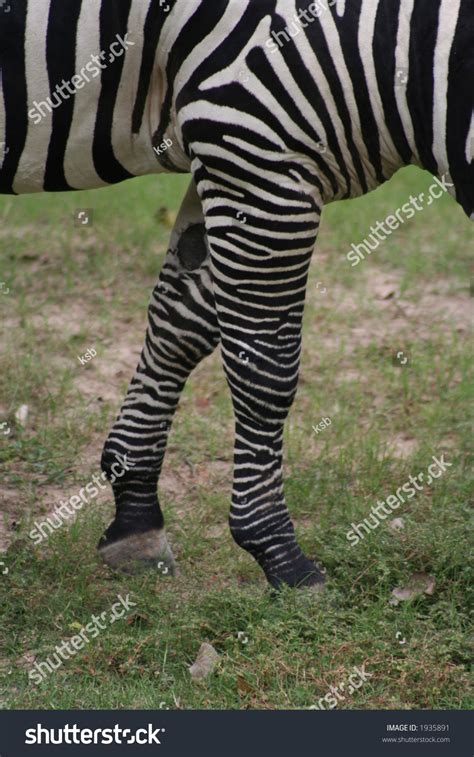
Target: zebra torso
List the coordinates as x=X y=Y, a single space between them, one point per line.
x=79 y=93
x=340 y=93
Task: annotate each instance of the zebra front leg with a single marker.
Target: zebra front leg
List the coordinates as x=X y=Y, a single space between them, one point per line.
x=260 y=253
x=182 y=330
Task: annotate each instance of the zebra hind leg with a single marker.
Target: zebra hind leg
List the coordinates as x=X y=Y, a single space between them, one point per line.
x=182 y=330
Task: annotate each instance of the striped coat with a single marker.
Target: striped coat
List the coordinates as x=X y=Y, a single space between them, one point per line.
x=276 y=108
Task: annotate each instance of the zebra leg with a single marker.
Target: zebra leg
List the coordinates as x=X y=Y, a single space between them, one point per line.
x=182 y=330
x=260 y=253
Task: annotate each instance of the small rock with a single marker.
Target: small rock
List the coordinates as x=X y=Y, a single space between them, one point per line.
x=386 y=292
x=206 y=661
x=21 y=415
x=419 y=583
x=397 y=524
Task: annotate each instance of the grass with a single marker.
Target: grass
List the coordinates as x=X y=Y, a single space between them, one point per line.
x=387 y=357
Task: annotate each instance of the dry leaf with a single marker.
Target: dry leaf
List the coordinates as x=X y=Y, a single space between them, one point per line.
x=166 y=217
x=202 y=402
x=206 y=661
x=243 y=686
x=27 y=659
x=138 y=619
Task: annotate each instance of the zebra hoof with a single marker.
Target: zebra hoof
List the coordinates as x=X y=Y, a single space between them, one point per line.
x=138 y=552
x=306 y=576
x=316 y=589
x=317 y=580
x=314 y=585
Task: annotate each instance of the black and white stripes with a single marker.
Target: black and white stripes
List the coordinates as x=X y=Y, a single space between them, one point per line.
x=276 y=107
x=79 y=99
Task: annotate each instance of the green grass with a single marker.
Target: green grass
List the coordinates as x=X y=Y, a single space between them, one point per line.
x=72 y=288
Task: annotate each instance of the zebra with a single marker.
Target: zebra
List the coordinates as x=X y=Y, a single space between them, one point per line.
x=276 y=108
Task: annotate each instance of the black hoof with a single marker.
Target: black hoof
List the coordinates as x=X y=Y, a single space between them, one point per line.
x=303 y=575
